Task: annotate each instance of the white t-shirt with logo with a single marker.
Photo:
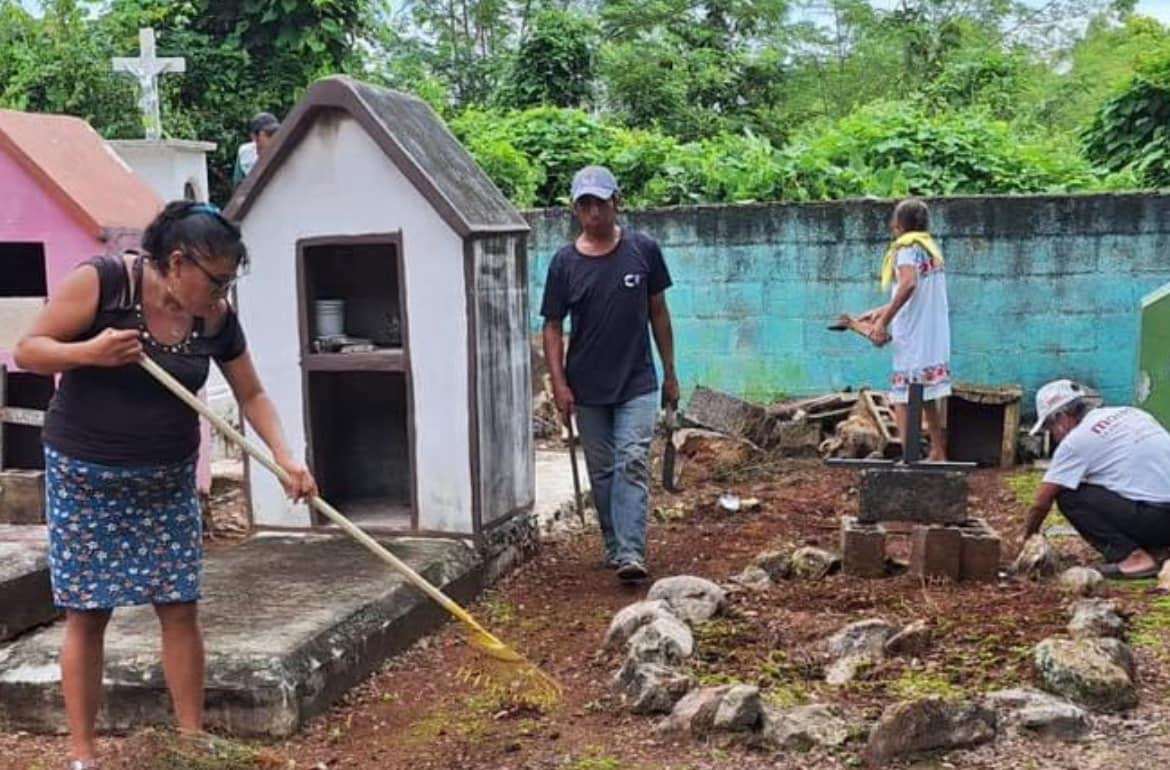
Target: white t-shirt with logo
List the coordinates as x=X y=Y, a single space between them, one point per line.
x=1122 y=449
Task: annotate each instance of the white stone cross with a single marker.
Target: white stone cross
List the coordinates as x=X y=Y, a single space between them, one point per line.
x=146 y=69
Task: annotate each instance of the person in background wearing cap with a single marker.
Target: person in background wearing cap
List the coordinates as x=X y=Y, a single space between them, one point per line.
x=261 y=131
x=1110 y=476
x=611 y=282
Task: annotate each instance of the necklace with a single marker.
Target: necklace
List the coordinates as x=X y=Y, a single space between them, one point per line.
x=181 y=347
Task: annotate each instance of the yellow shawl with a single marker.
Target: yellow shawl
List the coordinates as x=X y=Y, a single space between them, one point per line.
x=914 y=238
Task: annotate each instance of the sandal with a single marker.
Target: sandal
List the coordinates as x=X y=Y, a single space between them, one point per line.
x=1114 y=572
x=83 y=764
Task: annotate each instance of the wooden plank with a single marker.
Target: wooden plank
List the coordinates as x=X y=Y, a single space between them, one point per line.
x=375 y=361
x=3 y=402
x=1011 y=432
x=14 y=415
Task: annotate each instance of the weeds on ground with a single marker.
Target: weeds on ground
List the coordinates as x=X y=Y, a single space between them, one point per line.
x=1023 y=485
x=171 y=751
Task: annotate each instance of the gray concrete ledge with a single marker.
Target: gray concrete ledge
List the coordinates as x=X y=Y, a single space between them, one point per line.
x=290 y=624
x=26 y=597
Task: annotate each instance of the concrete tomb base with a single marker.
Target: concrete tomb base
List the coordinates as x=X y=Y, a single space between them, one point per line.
x=290 y=623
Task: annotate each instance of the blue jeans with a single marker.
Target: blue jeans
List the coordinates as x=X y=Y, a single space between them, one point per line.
x=616 y=440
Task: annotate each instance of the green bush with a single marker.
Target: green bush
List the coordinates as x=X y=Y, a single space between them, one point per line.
x=1129 y=134
x=886 y=149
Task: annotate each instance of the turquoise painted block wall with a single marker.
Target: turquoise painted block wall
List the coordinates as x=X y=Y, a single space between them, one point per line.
x=1040 y=287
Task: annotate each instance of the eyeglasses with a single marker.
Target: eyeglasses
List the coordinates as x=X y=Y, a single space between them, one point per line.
x=219 y=286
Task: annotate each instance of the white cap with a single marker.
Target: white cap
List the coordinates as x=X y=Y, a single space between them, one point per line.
x=1053 y=397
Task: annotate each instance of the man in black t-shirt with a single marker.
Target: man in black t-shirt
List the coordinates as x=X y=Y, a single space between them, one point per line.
x=612 y=283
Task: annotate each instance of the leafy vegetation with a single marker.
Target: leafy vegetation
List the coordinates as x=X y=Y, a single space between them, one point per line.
x=688 y=101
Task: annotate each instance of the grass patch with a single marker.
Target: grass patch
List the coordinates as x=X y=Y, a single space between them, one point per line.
x=1152 y=629
x=1024 y=485
x=471 y=722
x=598 y=760
x=912 y=685
x=498 y=611
x=176 y=752
x=787 y=695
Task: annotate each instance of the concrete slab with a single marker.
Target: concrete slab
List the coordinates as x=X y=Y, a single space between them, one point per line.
x=26 y=598
x=919 y=495
x=555 y=508
x=290 y=623
x=22 y=497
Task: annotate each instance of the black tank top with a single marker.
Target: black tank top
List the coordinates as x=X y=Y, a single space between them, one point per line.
x=121 y=415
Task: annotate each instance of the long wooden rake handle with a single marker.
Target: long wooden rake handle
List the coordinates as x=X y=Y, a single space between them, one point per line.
x=317 y=502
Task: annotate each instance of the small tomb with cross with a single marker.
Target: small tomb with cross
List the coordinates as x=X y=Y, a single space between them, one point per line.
x=175 y=168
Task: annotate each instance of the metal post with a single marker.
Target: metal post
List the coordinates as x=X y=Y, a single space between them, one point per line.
x=3 y=403
x=912 y=441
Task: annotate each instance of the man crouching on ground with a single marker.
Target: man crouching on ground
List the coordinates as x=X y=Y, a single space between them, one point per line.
x=611 y=282
x=1110 y=476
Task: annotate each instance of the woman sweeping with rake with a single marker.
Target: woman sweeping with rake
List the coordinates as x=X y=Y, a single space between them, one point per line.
x=122 y=507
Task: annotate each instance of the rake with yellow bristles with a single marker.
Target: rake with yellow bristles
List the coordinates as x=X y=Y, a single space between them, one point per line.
x=510 y=676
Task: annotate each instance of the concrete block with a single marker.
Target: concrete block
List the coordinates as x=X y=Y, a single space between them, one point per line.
x=936 y=551
x=22 y=497
x=979 y=560
x=26 y=598
x=863 y=549
x=918 y=495
x=795 y=439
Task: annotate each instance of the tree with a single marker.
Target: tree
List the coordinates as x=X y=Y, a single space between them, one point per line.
x=555 y=63
x=692 y=67
x=1130 y=132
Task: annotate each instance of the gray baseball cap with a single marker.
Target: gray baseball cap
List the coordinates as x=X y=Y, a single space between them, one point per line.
x=597 y=181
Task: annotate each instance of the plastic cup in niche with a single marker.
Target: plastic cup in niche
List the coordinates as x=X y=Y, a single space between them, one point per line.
x=329 y=315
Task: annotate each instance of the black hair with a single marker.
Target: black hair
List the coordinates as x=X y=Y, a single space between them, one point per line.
x=912 y=215
x=196 y=229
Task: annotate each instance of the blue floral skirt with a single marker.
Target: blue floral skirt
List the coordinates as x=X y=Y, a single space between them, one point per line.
x=122 y=536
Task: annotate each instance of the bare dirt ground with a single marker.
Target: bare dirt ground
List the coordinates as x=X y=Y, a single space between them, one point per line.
x=420 y=713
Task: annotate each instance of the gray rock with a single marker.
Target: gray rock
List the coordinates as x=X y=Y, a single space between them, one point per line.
x=1093 y=618
x=928 y=725
x=811 y=563
x=753 y=579
x=1095 y=673
x=692 y=599
x=912 y=641
x=739 y=709
x=664 y=640
x=844 y=670
x=651 y=688
x=1037 y=559
x=1081 y=581
x=1034 y=711
x=695 y=713
x=803 y=727
x=855 y=647
x=865 y=637
x=776 y=563
x=629 y=619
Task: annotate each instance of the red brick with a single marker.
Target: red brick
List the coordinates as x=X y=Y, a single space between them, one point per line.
x=936 y=552
x=863 y=549
x=980 y=554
